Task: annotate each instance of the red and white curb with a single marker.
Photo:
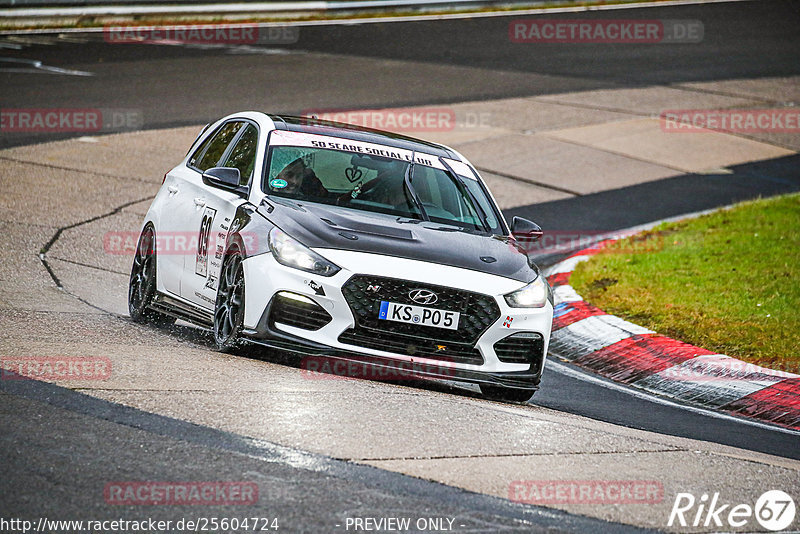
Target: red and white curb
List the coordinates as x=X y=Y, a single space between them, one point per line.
x=627 y=353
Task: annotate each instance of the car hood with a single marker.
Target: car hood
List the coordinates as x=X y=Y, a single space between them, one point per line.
x=323 y=226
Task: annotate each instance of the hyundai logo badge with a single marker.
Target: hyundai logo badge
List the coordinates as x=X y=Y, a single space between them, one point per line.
x=423 y=296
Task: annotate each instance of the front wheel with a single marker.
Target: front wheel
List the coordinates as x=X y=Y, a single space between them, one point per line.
x=142 y=285
x=229 y=308
x=500 y=393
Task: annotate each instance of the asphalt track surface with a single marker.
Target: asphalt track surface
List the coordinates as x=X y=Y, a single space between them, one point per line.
x=306 y=492
x=425 y=63
x=443 y=61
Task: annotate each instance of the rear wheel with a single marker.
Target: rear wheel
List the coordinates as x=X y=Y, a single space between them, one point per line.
x=229 y=308
x=500 y=393
x=142 y=285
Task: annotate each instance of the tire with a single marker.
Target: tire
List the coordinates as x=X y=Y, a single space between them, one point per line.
x=229 y=307
x=142 y=284
x=500 y=393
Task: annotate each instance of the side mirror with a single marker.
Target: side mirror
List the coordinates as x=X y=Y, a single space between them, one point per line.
x=525 y=230
x=227 y=177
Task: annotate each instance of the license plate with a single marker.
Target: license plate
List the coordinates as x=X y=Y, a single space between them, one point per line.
x=408 y=313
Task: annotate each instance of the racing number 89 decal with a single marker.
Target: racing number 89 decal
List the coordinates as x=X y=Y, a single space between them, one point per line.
x=201 y=266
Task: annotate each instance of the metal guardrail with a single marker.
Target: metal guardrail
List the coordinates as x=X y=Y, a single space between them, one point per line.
x=245 y=5
x=138 y=7
x=81 y=3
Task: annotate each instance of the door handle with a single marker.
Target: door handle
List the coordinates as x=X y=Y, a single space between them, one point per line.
x=199 y=202
x=172 y=189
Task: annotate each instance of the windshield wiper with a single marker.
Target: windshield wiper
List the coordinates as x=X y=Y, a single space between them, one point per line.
x=465 y=189
x=411 y=191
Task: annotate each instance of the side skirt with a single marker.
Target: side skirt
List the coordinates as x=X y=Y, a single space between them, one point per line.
x=182 y=310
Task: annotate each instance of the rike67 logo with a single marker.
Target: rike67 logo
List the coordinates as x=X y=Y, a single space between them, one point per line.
x=774 y=510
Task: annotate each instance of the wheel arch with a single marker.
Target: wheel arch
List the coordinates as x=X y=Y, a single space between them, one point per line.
x=249 y=231
x=149 y=222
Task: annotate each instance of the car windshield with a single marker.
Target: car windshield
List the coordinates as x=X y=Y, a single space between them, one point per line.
x=377 y=183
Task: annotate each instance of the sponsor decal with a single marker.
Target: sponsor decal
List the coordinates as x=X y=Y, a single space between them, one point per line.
x=318 y=289
x=201 y=264
x=205 y=298
x=353 y=174
x=211 y=281
x=311 y=140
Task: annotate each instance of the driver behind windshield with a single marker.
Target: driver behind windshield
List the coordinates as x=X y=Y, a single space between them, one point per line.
x=299 y=180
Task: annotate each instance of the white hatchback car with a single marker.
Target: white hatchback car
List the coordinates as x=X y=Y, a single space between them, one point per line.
x=328 y=239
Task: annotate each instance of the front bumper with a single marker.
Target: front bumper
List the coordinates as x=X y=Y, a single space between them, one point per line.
x=473 y=360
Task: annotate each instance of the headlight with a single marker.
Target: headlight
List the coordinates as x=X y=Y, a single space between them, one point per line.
x=292 y=253
x=533 y=295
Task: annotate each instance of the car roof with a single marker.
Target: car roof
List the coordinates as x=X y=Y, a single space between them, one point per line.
x=358 y=133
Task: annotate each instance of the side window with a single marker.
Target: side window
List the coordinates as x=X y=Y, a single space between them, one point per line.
x=243 y=154
x=211 y=150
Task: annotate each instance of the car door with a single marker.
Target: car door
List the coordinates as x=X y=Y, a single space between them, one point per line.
x=215 y=209
x=174 y=235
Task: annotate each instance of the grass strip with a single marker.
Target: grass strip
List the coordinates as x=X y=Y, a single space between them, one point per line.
x=728 y=281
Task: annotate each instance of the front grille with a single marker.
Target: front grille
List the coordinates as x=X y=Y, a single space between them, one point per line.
x=456 y=353
x=365 y=293
x=523 y=347
x=297 y=312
